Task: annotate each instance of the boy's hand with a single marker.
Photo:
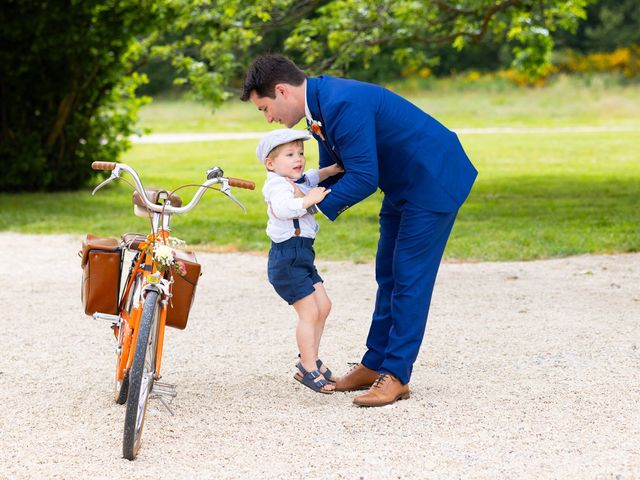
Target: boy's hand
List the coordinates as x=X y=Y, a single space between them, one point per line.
x=314 y=196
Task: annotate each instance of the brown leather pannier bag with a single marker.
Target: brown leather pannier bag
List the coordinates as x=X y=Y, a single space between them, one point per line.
x=101 y=270
x=184 y=290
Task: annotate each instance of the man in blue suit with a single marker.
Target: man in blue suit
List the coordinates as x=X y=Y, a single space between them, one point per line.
x=382 y=141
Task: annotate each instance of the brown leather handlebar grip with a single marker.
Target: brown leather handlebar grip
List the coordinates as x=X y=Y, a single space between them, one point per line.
x=103 y=165
x=238 y=182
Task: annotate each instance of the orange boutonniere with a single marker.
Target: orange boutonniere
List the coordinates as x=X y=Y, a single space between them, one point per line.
x=316 y=127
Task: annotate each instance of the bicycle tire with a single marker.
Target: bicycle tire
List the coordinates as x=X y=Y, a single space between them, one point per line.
x=141 y=375
x=122 y=387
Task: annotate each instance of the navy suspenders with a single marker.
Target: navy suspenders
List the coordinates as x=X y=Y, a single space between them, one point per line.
x=296 y=222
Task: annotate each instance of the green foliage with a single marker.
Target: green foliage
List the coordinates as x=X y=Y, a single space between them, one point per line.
x=210 y=46
x=610 y=24
x=209 y=43
x=354 y=31
x=67 y=67
x=379 y=41
x=66 y=89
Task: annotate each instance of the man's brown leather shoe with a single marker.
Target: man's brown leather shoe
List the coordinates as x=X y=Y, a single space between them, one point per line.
x=385 y=390
x=358 y=378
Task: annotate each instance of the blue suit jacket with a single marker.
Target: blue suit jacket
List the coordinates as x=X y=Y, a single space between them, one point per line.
x=383 y=140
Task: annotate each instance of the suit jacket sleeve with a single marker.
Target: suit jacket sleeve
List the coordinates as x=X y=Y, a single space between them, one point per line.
x=353 y=132
x=325 y=161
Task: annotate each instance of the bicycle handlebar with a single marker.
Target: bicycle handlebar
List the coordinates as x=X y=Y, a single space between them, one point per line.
x=103 y=165
x=238 y=182
x=225 y=184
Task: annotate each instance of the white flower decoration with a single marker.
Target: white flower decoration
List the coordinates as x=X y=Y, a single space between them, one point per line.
x=163 y=254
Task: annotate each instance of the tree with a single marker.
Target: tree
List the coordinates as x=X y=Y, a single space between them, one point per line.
x=336 y=36
x=348 y=30
x=67 y=78
x=67 y=87
x=610 y=24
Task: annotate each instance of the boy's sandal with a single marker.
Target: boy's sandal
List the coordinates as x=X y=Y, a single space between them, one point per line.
x=314 y=380
x=326 y=373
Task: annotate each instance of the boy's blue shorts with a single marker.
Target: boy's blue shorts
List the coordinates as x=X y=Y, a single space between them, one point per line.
x=291 y=270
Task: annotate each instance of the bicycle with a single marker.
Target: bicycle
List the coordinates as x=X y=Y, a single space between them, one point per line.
x=158 y=292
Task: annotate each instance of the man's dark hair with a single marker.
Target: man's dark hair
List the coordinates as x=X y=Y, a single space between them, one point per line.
x=268 y=70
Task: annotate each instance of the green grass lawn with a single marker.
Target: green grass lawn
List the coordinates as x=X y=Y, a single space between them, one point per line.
x=537 y=195
x=565 y=102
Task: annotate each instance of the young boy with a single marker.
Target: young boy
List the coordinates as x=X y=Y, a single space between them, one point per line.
x=291 y=197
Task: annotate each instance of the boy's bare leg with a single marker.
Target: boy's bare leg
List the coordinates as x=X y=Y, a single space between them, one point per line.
x=308 y=332
x=323 y=304
x=308 y=319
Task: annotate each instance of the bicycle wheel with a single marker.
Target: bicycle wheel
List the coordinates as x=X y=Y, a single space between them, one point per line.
x=141 y=375
x=121 y=387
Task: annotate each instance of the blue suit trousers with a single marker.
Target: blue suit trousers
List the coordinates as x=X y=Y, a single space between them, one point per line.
x=412 y=241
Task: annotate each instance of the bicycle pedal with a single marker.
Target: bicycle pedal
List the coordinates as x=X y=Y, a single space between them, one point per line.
x=165 y=392
x=114 y=319
x=164 y=388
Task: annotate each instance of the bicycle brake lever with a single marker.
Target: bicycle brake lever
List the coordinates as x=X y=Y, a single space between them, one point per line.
x=108 y=180
x=115 y=174
x=226 y=189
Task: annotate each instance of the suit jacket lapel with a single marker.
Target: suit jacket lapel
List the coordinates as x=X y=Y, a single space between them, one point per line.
x=313 y=102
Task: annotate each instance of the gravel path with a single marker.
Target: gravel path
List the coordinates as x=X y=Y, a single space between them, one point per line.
x=528 y=370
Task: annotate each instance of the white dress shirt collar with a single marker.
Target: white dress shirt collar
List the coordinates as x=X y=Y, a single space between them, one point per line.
x=307 y=112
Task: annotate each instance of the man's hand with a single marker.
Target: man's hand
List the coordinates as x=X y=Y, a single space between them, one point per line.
x=315 y=195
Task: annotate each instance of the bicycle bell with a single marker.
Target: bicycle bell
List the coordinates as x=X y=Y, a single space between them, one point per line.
x=214 y=172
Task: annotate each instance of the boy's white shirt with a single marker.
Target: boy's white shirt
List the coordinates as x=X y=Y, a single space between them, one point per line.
x=283 y=207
